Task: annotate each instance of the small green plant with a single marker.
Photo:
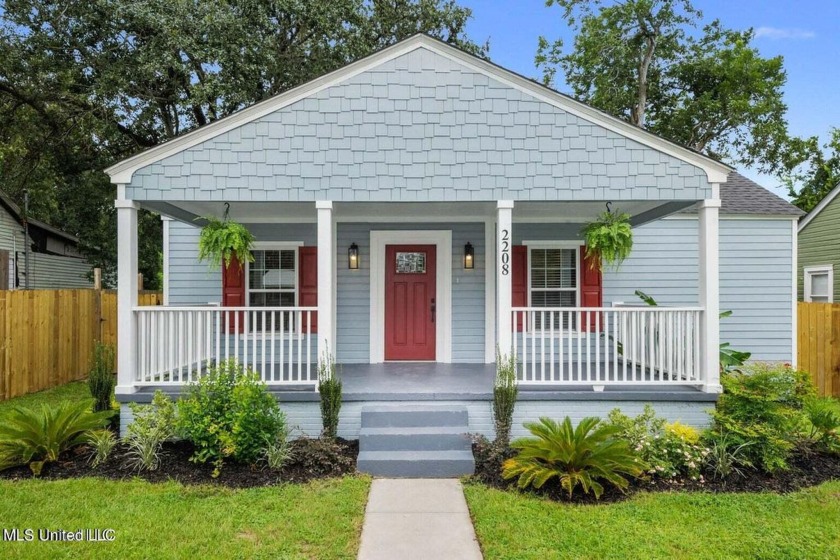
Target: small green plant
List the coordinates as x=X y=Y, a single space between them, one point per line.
x=279 y=451
x=101 y=379
x=580 y=456
x=763 y=405
x=726 y=458
x=322 y=456
x=221 y=240
x=609 y=239
x=229 y=413
x=35 y=437
x=505 y=393
x=823 y=423
x=101 y=442
x=329 y=388
x=669 y=451
x=153 y=425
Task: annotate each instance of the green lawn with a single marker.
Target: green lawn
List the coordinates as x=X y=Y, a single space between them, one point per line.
x=663 y=525
x=71 y=392
x=319 y=520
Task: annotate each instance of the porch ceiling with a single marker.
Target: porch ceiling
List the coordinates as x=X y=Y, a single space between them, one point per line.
x=541 y=212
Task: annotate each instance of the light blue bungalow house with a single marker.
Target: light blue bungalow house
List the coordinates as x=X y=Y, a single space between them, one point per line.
x=421 y=208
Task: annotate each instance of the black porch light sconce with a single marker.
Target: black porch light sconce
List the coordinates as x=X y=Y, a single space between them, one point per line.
x=469 y=256
x=353 y=257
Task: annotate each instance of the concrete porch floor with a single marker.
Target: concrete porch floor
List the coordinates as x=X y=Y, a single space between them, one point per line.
x=430 y=381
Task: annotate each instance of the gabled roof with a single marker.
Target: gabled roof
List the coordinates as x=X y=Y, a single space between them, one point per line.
x=16 y=213
x=819 y=207
x=122 y=172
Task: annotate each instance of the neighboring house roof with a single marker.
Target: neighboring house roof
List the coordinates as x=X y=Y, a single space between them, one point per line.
x=17 y=214
x=739 y=195
x=122 y=172
x=819 y=207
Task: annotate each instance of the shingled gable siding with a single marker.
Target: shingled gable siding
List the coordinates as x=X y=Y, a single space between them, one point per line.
x=419 y=127
x=353 y=295
x=755 y=278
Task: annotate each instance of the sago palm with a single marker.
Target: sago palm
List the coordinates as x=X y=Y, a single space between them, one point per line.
x=38 y=436
x=575 y=456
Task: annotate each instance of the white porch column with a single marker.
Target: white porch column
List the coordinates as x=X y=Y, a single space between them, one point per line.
x=504 y=255
x=166 y=221
x=126 y=295
x=326 y=258
x=710 y=295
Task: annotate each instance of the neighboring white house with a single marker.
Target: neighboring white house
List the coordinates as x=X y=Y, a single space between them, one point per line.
x=54 y=257
x=424 y=205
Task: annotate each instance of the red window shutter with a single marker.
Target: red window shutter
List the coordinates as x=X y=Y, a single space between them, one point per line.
x=308 y=283
x=591 y=289
x=233 y=290
x=519 y=280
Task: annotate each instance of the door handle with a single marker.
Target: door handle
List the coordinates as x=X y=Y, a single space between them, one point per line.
x=434 y=308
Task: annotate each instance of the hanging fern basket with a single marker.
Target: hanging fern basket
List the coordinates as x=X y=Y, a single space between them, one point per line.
x=222 y=240
x=609 y=239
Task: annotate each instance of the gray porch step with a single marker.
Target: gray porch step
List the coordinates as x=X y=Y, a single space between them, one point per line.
x=421 y=464
x=414 y=416
x=433 y=438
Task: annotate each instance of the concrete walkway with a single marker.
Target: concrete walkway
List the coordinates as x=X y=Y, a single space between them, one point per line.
x=415 y=519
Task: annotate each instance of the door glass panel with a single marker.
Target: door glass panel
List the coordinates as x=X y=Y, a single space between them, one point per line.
x=411 y=263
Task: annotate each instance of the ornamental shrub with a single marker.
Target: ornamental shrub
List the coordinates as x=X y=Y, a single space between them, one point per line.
x=102 y=377
x=763 y=405
x=35 y=437
x=330 y=390
x=576 y=456
x=152 y=425
x=668 y=450
x=505 y=393
x=229 y=413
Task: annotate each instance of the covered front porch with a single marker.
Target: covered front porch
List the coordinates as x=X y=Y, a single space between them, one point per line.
x=595 y=348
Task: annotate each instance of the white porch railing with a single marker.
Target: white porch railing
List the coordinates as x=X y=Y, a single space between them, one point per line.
x=608 y=345
x=176 y=344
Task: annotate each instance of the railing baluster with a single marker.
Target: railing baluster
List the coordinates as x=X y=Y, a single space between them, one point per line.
x=597 y=340
x=273 y=344
x=551 y=345
x=308 y=346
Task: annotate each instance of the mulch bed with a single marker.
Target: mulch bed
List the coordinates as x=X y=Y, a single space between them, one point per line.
x=313 y=459
x=806 y=469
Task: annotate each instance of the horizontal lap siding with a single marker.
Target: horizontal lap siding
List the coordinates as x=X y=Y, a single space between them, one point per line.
x=420 y=127
x=819 y=244
x=755 y=278
x=54 y=272
x=192 y=282
x=353 y=291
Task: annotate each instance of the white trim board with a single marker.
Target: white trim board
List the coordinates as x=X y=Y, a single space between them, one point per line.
x=123 y=171
x=794 y=310
x=442 y=239
x=819 y=207
x=828 y=270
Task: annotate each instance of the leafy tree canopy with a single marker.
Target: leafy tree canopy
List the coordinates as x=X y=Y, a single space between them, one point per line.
x=653 y=63
x=85 y=84
x=810 y=182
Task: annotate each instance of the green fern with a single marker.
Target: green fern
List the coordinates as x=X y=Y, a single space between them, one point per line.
x=221 y=240
x=580 y=456
x=609 y=239
x=35 y=437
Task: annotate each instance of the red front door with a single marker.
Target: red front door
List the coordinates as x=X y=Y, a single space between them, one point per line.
x=410 y=302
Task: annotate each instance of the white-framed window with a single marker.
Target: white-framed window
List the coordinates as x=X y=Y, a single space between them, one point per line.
x=554 y=279
x=819 y=283
x=272 y=279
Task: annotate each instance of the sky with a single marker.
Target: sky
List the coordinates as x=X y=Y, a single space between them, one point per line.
x=805 y=32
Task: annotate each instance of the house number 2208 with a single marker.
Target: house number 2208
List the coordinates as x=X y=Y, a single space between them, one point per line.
x=505 y=250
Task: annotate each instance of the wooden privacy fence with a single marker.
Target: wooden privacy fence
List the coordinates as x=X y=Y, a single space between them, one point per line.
x=47 y=336
x=819 y=345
